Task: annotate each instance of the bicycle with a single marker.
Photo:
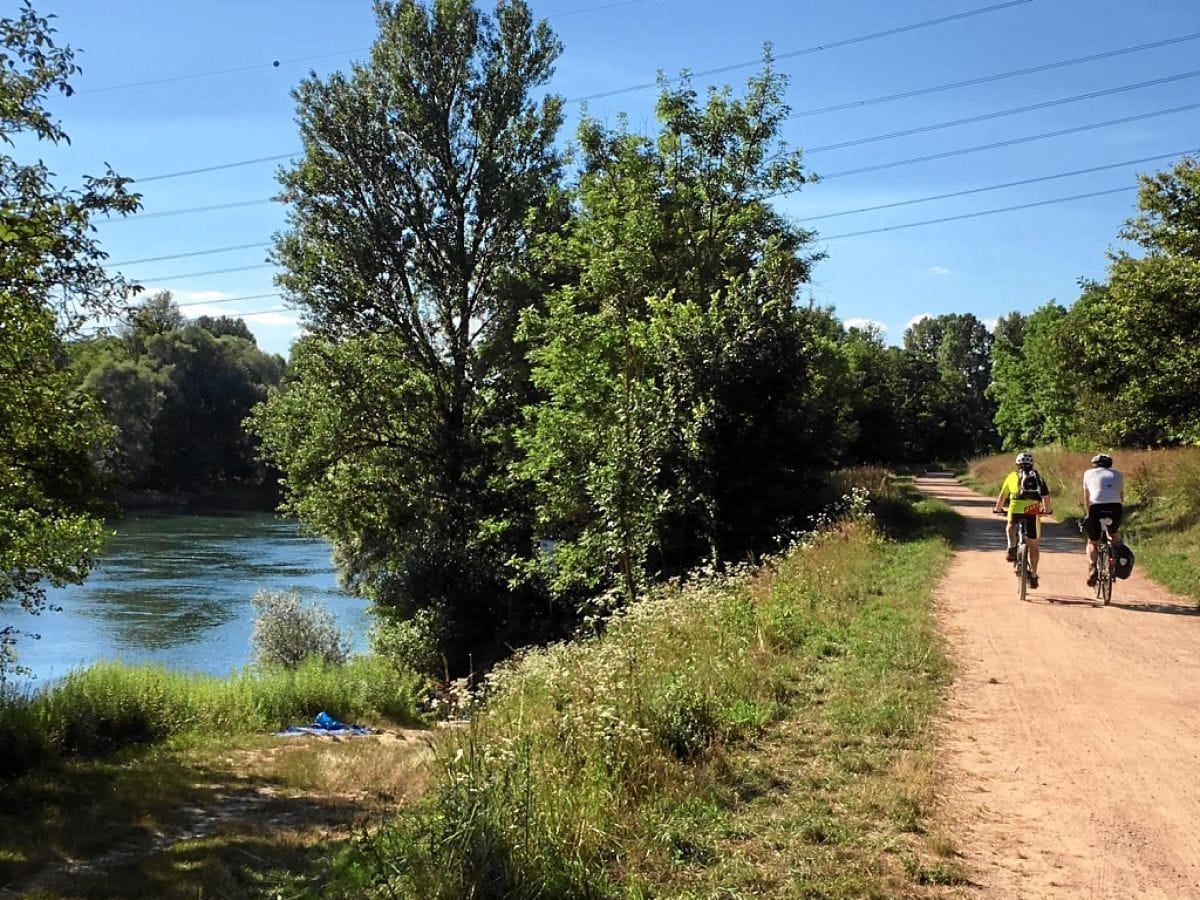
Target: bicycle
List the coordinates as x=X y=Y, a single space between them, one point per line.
x=1104 y=565
x=1021 y=565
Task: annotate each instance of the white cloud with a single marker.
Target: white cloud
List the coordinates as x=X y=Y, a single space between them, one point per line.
x=274 y=318
x=867 y=325
x=200 y=296
x=915 y=319
x=939 y=271
x=990 y=324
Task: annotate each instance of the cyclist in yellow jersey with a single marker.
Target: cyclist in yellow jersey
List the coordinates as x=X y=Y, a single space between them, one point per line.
x=1028 y=496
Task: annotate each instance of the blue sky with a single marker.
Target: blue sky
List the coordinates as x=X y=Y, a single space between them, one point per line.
x=140 y=107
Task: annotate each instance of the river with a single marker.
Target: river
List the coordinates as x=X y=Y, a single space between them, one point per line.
x=176 y=590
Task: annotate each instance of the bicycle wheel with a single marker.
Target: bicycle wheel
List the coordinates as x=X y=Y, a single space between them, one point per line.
x=1106 y=580
x=1102 y=576
x=1022 y=570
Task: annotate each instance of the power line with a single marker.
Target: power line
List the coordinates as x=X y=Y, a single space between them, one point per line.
x=274 y=64
x=184 y=212
x=202 y=274
x=134 y=262
x=984 y=79
x=997 y=187
x=979 y=213
x=928 y=23
x=227 y=300
x=888 y=98
x=1047 y=104
x=232 y=165
x=1009 y=143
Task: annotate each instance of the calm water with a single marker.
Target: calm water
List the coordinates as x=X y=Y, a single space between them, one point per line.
x=176 y=590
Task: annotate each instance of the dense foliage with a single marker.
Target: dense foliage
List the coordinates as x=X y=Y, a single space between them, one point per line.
x=523 y=393
x=51 y=280
x=177 y=394
x=689 y=406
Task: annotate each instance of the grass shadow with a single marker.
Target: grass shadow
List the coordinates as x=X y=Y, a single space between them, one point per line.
x=169 y=823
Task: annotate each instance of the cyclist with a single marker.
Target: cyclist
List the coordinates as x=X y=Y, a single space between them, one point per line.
x=1103 y=497
x=1026 y=491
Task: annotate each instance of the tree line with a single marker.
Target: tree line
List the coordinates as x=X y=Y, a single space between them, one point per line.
x=534 y=380
x=176 y=394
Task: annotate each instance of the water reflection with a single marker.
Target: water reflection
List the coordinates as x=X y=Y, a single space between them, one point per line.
x=176 y=590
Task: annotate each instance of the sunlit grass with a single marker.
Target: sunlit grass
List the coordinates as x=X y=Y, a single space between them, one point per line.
x=108 y=706
x=761 y=731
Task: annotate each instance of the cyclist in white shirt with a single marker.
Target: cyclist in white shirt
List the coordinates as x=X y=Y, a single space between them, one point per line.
x=1103 y=497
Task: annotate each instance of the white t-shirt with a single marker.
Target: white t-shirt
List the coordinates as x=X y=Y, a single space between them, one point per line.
x=1103 y=485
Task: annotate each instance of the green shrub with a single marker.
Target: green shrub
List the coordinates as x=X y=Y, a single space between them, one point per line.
x=409 y=643
x=287 y=632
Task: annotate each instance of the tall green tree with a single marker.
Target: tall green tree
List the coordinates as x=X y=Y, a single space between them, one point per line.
x=959 y=344
x=52 y=279
x=1034 y=383
x=425 y=171
x=689 y=401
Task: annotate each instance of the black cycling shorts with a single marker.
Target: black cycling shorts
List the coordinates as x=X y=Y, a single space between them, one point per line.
x=1099 y=511
x=1033 y=525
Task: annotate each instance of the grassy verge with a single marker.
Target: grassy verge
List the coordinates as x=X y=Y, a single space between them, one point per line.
x=109 y=706
x=761 y=733
x=1162 y=501
x=122 y=776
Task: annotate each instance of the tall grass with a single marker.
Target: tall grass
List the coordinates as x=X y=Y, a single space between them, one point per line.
x=112 y=705
x=1162 y=501
x=591 y=768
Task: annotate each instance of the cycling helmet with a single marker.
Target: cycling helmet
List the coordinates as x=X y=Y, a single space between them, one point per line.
x=1024 y=458
x=1102 y=459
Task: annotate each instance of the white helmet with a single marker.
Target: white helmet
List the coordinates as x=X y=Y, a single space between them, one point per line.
x=1024 y=458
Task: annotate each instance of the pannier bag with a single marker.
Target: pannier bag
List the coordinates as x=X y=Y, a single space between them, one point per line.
x=1122 y=560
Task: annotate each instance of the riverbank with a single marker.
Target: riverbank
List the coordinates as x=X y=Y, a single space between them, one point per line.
x=106 y=774
x=228 y=498
x=769 y=730
x=768 y=733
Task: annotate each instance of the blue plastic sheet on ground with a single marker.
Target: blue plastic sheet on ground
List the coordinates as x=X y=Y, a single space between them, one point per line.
x=324 y=723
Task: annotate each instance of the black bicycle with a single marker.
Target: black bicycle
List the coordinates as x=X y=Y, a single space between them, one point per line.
x=1021 y=563
x=1104 y=565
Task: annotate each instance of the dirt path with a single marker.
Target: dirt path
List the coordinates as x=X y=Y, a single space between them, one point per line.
x=1072 y=741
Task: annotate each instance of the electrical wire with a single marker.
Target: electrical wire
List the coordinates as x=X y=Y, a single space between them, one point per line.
x=149 y=259
x=984 y=117
x=791 y=54
x=1008 y=143
x=202 y=274
x=227 y=300
x=996 y=187
x=184 y=212
x=231 y=165
x=984 y=79
x=979 y=213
